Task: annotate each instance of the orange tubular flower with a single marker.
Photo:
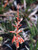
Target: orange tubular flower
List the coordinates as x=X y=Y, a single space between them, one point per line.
x=13 y=40
x=19 y=31
x=6 y=4
x=12 y=31
x=20 y=25
x=21 y=40
x=18 y=18
x=14 y=25
x=17 y=44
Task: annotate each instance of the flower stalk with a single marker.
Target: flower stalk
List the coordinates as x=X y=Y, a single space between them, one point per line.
x=17 y=39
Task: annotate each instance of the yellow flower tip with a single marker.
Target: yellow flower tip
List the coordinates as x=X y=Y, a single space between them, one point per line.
x=18 y=47
x=21 y=42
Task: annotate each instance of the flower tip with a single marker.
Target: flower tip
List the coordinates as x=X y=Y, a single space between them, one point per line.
x=10 y=31
x=18 y=47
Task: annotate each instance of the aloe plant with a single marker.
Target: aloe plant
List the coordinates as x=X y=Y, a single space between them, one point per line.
x=34 y=32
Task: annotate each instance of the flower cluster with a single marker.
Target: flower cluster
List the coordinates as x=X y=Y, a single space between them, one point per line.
x=17 y=39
